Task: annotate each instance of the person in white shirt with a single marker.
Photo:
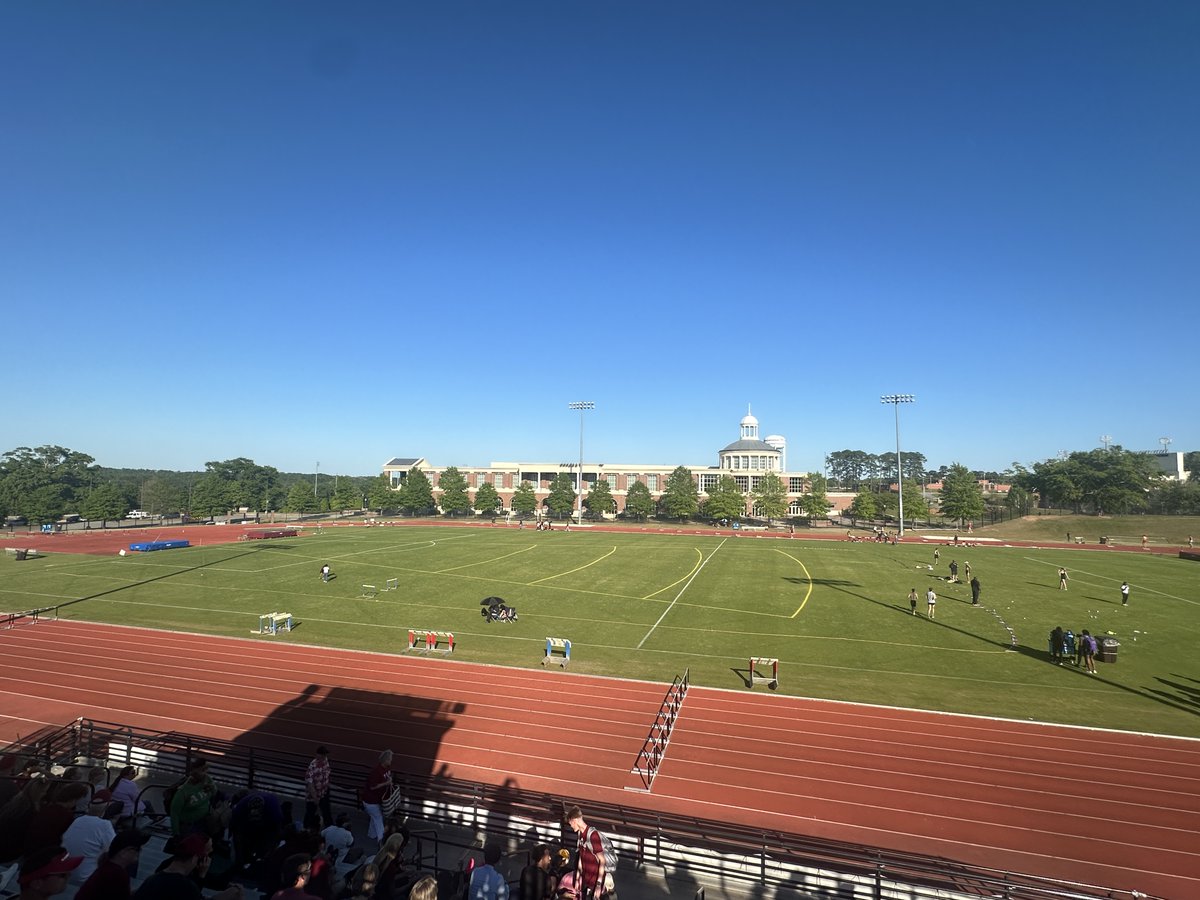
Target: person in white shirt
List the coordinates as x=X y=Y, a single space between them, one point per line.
x=89 y=836
x=338 y=837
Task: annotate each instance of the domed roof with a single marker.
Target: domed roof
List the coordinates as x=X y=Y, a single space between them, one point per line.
x=747 y=444
x=749 y=420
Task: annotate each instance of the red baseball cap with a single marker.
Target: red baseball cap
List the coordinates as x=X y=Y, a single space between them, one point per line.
x=46 y=862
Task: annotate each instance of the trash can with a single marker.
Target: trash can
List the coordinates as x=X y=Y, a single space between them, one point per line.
x=22 y=554
x=1108 y=649
x=1104 y=539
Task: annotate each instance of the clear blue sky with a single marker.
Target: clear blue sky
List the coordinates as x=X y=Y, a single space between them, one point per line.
x=340 y=232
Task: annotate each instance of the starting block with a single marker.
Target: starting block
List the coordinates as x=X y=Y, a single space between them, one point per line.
x=557 y=650
x=430 y=641
x=772 y=680
x=368 y=592
x=392 y=584
x=274 y=622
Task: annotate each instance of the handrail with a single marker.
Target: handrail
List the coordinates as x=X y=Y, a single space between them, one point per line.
x=439 y=800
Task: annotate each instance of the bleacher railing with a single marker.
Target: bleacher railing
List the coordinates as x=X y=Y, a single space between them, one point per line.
x=731 y=853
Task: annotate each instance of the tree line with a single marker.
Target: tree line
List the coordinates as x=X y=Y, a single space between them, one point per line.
x=44 y=484
x=680 y=498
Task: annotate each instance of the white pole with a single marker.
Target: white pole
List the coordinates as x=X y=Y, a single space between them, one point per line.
x=580 y=405
x=896 y=400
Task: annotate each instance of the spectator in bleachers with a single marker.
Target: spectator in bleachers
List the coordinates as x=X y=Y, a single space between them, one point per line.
x=316 y=791
x=55 y=814
x=180 y=878
x=536 y=881
x=44 y=872
x=486 y=882
x=592 y=865
x=17 y=814
x=255 y=826
x=126 y=790
x=362 y=885
x=393 y=873
x=297 y=869
x=564 y=876
x=338 y=836
x=193 y=800
x=324 y=881
x=89 y=836
x=425 y=889
x=110 y=881
x=377 y=786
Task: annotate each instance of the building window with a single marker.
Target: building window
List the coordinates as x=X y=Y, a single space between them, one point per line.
x=795 y=485
x=743 y=482
x=708 y=481
x=652 y=482
x=630 y=481
x=612 y=485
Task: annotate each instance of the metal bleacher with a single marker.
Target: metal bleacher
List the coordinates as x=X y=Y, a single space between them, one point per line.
x=453 y=816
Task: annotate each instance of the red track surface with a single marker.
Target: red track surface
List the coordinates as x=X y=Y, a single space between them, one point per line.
x=1100 y=807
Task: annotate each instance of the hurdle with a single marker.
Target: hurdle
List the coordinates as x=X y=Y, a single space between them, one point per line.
x=392 y=584
x=772 y=680
x=274 y=622
x=424 y=640
x=368 y=592
x=557 y=650
x=654 y=749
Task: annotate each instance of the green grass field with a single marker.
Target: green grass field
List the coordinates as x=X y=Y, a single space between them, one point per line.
x=650 y=605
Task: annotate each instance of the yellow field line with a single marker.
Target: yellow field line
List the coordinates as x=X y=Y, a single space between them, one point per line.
x=699 y=560
x=484 y=562
x=578 y=568
x=807 y=593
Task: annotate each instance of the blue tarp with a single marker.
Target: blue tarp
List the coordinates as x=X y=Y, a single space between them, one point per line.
x=147 y=546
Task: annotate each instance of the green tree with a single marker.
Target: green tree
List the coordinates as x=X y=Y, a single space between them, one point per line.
x=346 y=495
x=249 y=484
x=455 y=500
x=771 y=496
x=815 y=502
x=159 y=496
x=104 y=503
x=1018 y=501
x=599 y=499
x=213 y=496
x=725 y=501
x=487 y=501
x=43 y=483
x=562 y=495
x=638 y=502
x=380 y=495
x=300 y=499
x=524 y=500
x=962 y=497
x=863 y=506
x=681 y=498
x=416 y=496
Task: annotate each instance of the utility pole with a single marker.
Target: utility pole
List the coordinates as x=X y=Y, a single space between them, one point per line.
x=896 y=400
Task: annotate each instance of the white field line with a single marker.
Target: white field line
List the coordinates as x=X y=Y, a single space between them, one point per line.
x=671 y=606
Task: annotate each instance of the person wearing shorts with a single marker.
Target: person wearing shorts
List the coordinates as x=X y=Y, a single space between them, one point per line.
x=912 y=600
x=930 y=602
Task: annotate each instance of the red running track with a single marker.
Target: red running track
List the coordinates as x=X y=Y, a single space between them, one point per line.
x=1101 y=807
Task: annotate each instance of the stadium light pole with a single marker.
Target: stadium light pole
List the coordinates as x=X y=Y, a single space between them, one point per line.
x=580 y=405
x=896 y=400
